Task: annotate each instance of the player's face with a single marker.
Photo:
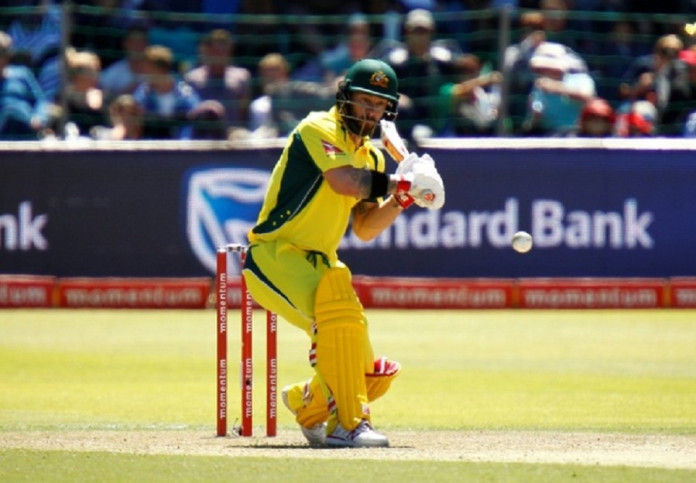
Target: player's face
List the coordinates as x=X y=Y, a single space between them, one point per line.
x=370 y=109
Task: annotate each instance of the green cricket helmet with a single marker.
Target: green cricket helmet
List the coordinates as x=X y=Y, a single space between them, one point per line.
x=375 y=77
x=371 y=76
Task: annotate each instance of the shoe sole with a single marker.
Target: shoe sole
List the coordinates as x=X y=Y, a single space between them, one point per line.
x=342 y=443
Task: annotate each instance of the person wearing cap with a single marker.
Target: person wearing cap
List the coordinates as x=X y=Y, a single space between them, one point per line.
x=424 y=65
x=24 y=109
x=639 y=121
x=330 y=176
x=597 y=119
x=560 y=91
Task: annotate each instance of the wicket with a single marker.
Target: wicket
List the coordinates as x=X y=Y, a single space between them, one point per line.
x=247 y=372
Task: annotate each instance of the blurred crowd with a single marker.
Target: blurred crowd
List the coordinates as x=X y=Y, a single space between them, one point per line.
x=240 y=71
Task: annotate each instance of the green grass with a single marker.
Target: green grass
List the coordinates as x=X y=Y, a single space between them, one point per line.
x=61 y=466
x=605 y=371
x=594 y=370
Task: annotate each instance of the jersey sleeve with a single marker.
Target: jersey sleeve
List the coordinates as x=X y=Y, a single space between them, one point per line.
x=326 y=143
x=378 y=157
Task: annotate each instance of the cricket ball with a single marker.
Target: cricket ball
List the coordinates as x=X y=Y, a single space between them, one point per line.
x=522 y=242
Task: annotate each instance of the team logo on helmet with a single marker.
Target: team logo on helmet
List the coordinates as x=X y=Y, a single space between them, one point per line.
x=379 y=79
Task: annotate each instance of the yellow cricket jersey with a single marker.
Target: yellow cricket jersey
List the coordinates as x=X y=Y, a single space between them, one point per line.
x=300 y=207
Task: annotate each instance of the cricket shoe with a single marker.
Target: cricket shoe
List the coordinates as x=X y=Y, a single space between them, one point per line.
x=363 y=436
x=316 y=435
x=292 y=398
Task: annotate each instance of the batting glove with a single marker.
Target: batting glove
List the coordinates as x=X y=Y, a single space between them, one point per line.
x=403 y=185
x=427 y=189
x=406 y=166
x=410 y=164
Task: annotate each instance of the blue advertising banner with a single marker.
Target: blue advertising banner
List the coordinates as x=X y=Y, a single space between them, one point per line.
x=591 y=212
x=122 y=213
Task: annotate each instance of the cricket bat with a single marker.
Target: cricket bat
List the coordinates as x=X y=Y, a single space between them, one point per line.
x=394 y=144
x=392 y=141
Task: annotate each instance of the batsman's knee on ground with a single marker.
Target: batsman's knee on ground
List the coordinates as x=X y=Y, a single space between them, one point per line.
x=307 y=402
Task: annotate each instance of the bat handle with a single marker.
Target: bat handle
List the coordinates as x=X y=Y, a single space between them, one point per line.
x=428 y=195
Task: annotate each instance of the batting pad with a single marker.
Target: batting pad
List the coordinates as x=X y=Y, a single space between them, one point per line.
x=340 y=341
x=380 y=380
x=306 y=399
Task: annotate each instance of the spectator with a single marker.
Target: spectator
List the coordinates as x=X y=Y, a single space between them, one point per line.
x=284 y=102
x=24 y=110
x=662 y=79
x=516 y=56
x=688 y=56
x=36 y=40
x=207 y=121
x=517 y=75
x=166 y=99
x=124 y=75
x=355 y=46
x=690 y=126
x=424 y=65
x=556 y=24
x=597 y=119
x=617 y=53
x=560 y=91
x=126 y=117
x=84 y=99
x=273 y=69
x=217 y=78
x=638 y=122
x=470 y=107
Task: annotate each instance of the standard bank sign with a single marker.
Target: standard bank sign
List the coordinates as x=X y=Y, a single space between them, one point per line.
x=222 y=205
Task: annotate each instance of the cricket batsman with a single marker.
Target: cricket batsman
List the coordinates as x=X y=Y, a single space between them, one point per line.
x=330 y=175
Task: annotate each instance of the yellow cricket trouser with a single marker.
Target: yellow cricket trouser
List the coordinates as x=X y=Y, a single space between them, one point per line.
x=285 y=279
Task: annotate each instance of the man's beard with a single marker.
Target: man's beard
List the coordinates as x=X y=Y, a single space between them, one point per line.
x=359 y=126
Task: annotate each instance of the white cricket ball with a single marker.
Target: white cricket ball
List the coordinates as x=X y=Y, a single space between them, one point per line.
x=522 y=242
